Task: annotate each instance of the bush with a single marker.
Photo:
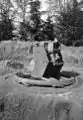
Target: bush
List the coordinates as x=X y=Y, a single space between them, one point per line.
x=78 y=43
x=14 y=65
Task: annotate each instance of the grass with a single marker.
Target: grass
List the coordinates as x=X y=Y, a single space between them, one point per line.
x=22 y=51
x=18 y=103
x=73 y=56
x=30 y=107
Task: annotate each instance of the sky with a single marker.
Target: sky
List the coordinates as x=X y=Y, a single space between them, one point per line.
x=44 y=5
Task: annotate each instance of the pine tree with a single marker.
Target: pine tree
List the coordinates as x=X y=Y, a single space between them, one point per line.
x=48 y=29
x=6 y=24
x=68 y=26
x=6 y=27
x=35 y=20
x=24 y=31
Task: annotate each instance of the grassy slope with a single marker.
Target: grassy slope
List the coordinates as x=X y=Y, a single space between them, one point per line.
x=18 y=102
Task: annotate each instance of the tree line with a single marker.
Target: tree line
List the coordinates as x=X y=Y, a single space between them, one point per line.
x=67 y=26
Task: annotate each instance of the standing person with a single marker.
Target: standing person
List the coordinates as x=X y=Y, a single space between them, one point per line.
x=57 y=51
x=58 y=59
x=55 y=59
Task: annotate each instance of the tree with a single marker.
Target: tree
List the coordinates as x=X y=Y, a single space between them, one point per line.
x=6 y=24
x=23 y=5
x=31 y=25
x=6 y=28
x=68 y=26
x=54 y=6
x=25 y=31
x=48 y=29
x=35 y=18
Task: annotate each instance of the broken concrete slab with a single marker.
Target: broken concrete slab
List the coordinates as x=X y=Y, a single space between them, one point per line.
x=41 y=61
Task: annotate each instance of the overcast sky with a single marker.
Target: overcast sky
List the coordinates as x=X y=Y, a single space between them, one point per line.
x=44 y=5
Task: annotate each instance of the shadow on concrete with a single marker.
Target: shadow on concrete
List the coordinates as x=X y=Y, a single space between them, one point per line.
x=69 y=74
x=28 y=76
